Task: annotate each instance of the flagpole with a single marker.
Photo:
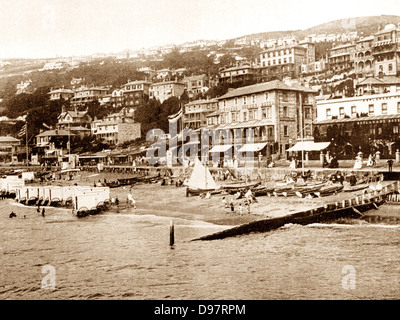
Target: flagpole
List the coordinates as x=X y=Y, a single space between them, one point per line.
x=26 y=139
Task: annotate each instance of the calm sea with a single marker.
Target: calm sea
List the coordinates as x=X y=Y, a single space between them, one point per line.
x=127 y=256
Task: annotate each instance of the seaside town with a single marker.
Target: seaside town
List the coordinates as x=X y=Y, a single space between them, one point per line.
x=249 y=134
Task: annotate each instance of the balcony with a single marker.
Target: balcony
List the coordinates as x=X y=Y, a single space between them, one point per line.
x=250 y=106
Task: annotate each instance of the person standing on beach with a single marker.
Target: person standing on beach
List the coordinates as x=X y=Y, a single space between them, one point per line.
x=232 y=206
x=224 y=202
x=131 y=201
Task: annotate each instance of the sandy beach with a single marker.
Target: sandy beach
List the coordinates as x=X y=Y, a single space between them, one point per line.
x=171 y=201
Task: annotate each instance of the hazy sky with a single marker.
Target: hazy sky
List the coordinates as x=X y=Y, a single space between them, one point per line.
x=46 y=28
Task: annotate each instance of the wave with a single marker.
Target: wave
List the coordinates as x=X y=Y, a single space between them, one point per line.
x=353 y=225
x=177 y=221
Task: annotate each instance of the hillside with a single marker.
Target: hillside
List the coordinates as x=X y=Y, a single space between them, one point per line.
x=364 y=26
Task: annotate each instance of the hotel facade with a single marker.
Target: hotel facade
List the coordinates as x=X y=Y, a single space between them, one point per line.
x=367 y=124
x=278 y=114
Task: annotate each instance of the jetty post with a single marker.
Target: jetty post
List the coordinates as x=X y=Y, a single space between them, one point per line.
x=171 y=233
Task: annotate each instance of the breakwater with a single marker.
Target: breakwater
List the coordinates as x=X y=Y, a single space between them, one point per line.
x=347 y=208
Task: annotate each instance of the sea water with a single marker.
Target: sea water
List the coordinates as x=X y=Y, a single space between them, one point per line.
x=128 y=256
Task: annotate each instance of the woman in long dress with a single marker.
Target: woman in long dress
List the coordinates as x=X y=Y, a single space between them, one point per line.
x=358 y=163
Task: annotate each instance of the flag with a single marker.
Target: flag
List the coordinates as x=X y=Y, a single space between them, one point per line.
x=46 y=126
x=22 y=132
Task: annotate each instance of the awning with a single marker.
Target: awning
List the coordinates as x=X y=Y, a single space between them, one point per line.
x=252 y=147
x=221 y=148
x=309 y=146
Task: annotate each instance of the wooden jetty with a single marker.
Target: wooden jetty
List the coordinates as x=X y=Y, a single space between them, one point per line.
x=348 y=208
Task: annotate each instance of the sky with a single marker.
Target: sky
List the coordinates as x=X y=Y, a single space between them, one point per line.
x=49 y=28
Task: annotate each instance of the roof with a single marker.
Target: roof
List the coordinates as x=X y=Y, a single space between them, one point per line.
x=198 y=77
x=202 y=101
x=9 y=139
x=166 y=82
x=50 y=133
x=388 y=28
x=246 y=66
x=265 y=86
x=380 y=81
x=356 y=119
x=284 y=47
x=214 y=113
x=369 y=38
x=73 y=114
x=137 y=82
x=62 y=90
x=79 y=128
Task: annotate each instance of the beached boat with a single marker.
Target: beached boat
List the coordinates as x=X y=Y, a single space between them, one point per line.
x=113 y=184
x=259 y=191
x=240 y=185
x=295 y=190
x=201 y=181
x=356 y=187
x=329 y=190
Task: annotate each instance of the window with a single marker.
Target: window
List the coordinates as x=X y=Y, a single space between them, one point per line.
x=269 y=112
x=253 y=99
x=233 y=116
x=285 y=111
x=307 y=113
x=244 y=100
x=395 y=129
x=270 y=132
x=353 y=111
x=236 y=101
x=251 y=115
x=390 y=67
x=266 y=96
x=328 y=114
x=384 y=108
x=264 y=113
x=341 y=112
x=285 y=131
x=244 y=116
x=371 y=109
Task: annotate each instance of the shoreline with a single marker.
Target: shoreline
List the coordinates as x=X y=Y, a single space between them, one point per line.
x=171 y=201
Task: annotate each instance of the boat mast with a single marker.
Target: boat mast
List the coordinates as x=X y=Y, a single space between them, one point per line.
x=301 y=132
x=26 y=140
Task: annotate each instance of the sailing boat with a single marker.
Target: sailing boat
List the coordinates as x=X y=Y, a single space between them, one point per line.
x=201 y=181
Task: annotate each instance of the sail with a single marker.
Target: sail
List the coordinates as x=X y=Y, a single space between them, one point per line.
x=201 y=177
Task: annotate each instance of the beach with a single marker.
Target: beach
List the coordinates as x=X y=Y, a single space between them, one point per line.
x=171 y=201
